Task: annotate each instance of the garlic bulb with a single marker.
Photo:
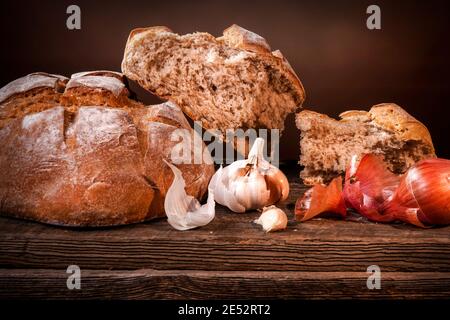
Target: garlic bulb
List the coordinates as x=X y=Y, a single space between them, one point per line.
x=272 y=219
x=250 y=184
x=184 y=211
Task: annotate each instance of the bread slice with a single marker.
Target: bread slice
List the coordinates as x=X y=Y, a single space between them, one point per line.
x=230 y=82
x=81 y=152
x=327 y=145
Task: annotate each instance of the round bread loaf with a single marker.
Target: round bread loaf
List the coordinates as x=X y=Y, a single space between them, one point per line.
x=81 y=152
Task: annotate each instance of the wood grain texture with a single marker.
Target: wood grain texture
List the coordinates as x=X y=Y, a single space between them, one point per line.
x=230 y=257
x=230 y=242
x=154 y=284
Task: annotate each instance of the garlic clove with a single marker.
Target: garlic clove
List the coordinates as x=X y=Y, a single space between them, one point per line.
x=222 y=192
x=183 y=211
x=278 y=185
x=251 y=191
x=272 y=219
x=213 y=184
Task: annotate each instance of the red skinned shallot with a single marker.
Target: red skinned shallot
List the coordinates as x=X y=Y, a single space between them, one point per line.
x=421 y=196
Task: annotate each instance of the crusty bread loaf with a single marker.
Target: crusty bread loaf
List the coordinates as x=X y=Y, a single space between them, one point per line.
x=32 y=93
x=327 y=145
x=230 y=82
x=81 y=152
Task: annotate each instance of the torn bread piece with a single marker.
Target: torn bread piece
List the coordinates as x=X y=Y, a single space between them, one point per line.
x=327 y=145
x=230 y=82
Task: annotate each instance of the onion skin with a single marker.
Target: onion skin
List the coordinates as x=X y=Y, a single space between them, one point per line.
x=368 y=184
x=320 y=199
x=420 y=197
x=426 y=188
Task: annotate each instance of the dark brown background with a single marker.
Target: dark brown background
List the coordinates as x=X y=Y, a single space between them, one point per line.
x=341 y=63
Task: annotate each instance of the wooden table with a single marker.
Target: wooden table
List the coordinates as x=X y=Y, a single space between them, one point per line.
x=229 y=258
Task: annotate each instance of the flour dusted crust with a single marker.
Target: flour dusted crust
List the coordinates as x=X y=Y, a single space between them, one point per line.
x=31 y=81
x=167 y=113
x=104 y=73
x=238 y=37
x=92 y=165
x=230 y=82
x=110 y=84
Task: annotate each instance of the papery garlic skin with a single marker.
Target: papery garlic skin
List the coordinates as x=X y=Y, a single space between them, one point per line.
x=276 y=179
x=222 y=194
x=250 y=184
x=184 y=211
x=272 y=219
x=251 y=191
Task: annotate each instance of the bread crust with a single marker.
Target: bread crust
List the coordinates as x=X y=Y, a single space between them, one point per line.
x=234 y=37
x=90 y=166
x=393 y=118
x=389 y=118
x=37 y=80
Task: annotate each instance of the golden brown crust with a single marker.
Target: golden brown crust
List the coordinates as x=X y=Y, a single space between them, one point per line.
x=234 y=37
x=393 y=118
x=292 y=76
x=240 y=38
x=309 y=114
x=33 y=100
x=32 y=81
x=81 y=165
x=386 y=129
x=352 y=115
x=155 y=29
x=388 y=116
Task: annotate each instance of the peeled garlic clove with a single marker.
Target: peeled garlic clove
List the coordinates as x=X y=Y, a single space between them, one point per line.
x=184 y=211
x=272 y=219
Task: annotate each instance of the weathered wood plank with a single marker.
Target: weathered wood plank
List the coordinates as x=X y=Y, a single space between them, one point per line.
x=231 y=242
x=232 y=258
x=153 y=284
